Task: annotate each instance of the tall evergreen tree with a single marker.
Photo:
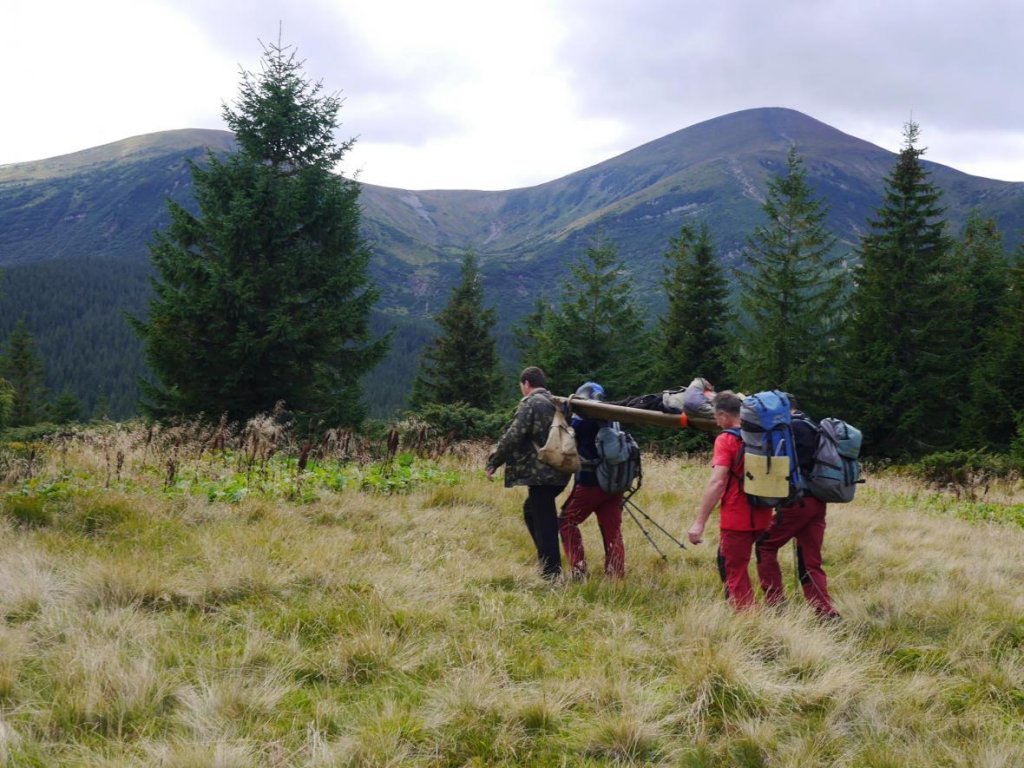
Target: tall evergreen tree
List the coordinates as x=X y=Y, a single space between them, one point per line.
x=791 y=293
x=461 y=364
x=692 y=333
x=982 y=260
x=595 y=333
x=906 y=324
x=264 y=295
x=23 y=370
x=994 y=413
x=984 y=272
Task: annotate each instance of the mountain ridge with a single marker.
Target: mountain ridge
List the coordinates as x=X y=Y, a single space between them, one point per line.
x=103 y=204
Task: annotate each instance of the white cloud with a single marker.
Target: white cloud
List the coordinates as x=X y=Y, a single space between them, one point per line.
x=470 y=94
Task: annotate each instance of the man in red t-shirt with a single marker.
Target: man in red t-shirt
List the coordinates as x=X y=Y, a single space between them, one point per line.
x=741 y=523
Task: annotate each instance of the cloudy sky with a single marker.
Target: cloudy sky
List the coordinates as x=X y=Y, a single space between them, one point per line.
x=492 y=94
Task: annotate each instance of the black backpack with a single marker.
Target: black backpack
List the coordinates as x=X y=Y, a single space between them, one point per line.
x=618 y=460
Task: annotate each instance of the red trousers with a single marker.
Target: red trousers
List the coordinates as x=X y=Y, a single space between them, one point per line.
x=804 y=521
x=584 y=500
x=734 y=548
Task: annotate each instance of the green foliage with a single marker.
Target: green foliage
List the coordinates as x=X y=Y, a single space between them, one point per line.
x=966 y=471
x=905 y=364
x=403 y=474
x=596 y=333
x=994 y=410
x=65 y=408
x=692 y=335
x=264 y=295
x=792 y=293
x=28 y=511
x=75 y=311
x=6 y=402
x=22 y=368
x=461 y=364
x=460 y=421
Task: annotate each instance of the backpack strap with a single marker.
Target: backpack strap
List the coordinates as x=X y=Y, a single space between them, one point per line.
x=733 y=470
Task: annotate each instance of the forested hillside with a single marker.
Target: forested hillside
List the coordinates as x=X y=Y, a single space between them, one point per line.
x=87 y=211
x=75 y=309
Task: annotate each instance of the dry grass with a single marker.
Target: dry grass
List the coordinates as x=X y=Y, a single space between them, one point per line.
x=146 y=625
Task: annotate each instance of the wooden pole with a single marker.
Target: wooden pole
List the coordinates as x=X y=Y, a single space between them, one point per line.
x=597 y=410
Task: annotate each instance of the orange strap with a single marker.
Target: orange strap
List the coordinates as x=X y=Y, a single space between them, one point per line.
x=683 y=421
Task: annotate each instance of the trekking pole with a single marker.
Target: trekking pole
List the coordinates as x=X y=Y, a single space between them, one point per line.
x=796 y=565
x=654 y=522
x=648 y=535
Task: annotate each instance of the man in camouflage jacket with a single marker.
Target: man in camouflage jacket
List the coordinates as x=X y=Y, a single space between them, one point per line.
x=517 y=451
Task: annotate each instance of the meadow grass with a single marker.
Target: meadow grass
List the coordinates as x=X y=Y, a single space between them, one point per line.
x=395 y=617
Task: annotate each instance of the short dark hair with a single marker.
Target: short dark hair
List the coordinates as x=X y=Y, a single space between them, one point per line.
x=534 y=375
x=727 y=401
x=792 y=400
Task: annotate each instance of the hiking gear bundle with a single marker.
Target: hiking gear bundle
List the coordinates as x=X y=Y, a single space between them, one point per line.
x=618 y=462
x=771 y=474
x=559 y=450
x=836 y=471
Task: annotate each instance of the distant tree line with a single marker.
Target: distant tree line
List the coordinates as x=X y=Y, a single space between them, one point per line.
x=918 y=340
x=262 y=294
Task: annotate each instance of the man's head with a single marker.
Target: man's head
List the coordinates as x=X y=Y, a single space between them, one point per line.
x=727 y=408
x=532 y=378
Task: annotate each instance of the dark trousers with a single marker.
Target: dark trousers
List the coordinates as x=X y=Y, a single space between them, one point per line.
x=804 y=521
x=541 y=518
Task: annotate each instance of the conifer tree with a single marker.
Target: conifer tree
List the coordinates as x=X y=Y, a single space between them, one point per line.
x=65 y=408
x=461 y=364
x=792 y=293
x=692 y=332
x=23 y=370
x=981 y=259
x=906 y=325
x=596 y=332
x=264 y=295
x=6 y=403
x=983 y=274
x=994 y=413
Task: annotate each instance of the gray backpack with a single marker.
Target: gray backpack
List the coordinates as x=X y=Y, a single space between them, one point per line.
x=836 y=471
x=618 y=460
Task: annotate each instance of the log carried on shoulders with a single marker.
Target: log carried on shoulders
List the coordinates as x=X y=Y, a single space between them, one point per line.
x=597 y=410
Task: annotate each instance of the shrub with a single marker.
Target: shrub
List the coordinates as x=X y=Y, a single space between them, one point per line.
x=462 y=422
x=966 y=472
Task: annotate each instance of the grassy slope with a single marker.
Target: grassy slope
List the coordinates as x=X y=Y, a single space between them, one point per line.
x=145 y=627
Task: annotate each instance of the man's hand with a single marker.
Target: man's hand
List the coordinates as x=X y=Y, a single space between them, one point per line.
x=490 y=473
x=696 y=533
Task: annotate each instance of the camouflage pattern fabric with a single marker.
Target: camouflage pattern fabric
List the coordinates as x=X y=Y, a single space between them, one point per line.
x=517 y=447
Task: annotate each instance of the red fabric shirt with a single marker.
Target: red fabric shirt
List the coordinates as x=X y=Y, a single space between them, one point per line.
x=737 y=514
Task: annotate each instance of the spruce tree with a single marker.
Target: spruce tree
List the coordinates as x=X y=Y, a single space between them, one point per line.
x=791 y=293
x=23 y=370
x=692 y=333
x=904 y=360
x=65 y=408
x=994 y=412
x=461 y=364
x=596 y=332
x=264 y=295
x=984 y=271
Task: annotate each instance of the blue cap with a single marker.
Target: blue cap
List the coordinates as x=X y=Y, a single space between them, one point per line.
x=591 y=390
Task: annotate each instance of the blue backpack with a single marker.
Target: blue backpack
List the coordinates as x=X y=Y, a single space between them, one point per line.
x=771 y=473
